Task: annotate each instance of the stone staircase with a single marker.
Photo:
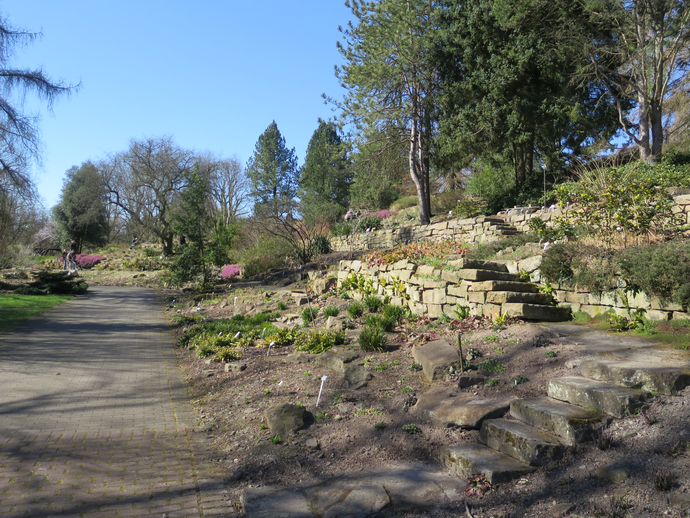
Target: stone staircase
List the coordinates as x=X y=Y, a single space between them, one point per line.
x=491 y=285
x=538 y=431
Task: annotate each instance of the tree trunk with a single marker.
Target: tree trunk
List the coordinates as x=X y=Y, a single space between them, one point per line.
x=419 y=176
x=167 y=241
x=657 y=133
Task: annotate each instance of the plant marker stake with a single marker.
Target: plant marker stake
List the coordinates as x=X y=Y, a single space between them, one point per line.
x=269 y=349
x=238 y=334
x=310 y=311
x=323 y=380
x=279 y=385
x=462 y=359
x=235 y=301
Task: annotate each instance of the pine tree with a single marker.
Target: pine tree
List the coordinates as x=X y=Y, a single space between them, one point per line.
x=272 y=169
x=326 y=175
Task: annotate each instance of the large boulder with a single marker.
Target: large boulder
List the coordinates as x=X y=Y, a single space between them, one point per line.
x=285 y=418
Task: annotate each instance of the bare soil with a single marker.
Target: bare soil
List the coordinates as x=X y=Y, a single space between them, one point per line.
x=357 y=428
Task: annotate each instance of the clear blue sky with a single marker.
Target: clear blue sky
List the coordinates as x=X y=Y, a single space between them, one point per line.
x=212 y=74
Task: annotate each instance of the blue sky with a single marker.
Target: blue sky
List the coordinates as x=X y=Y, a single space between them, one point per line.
x=212 y=74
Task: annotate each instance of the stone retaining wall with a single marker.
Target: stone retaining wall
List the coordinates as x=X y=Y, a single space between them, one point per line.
x=472 y=230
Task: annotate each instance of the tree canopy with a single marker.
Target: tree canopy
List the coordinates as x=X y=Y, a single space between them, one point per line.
x=272 y=169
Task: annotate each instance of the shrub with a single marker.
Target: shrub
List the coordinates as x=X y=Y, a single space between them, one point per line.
x=661 y=270
x=230 y=270
x=355 y=310
x=383 y=214
x=150 y=252
x=282 y=305
x=370 y=222
x=404 y=203
x=88 y=261
x=488 y=250
x=341 y=229
x=373 y=303
x=320 y=245
x=372 y=338
x=491 y=366
x=330 y=311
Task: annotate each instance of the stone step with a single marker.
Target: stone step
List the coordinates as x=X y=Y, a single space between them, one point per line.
x=446 y=407
x=504 y=297
x=472 y=459
x=608 y=398
x=523 y=287
x=436 y=359
x=570 y=422
x=651 y=376
x=536 y=312
x=476 y=264
x=522 y=442
x=473 y=274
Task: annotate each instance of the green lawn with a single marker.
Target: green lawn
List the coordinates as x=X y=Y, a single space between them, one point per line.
x=15 y=309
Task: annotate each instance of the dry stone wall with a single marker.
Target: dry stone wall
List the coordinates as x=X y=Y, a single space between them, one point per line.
x=472 y=230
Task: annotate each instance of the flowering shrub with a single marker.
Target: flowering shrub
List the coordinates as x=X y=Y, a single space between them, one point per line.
x=416 y=252
x=88 y=261
x=383 y=214
x=230 y=270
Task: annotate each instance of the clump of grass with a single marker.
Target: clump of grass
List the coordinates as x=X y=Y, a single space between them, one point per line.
x=321 y=416
x=331 y=311
x=387 y=324
x=411 y=428
x=492 y=382
x=520 y=379
x=373 y=303
x=491 y=366
x=379 y=426
x=550 y=354
x=308 y=315
x=373 y=338
x=415 y=367
x=394 y=312
x=355 y=310
x=603 y=440
x=275 y=439
x=663 y=480
x=282 y=305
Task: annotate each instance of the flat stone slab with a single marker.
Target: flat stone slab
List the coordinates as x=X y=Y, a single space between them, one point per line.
x=284 y=418
x=268 y=502
x=471 y=459
x=522 y=442
x=436 y=358
x=611 y=399
x=570 y=422
x=663 y=378
x=616 y=472
x=536 y=312
x=486 y=275
x=335 y=360
x=504 y=297
x=358 y=494
x=446 y=407
x=478 y=265
x=504 y=286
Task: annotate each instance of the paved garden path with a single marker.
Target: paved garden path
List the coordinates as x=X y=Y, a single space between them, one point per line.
x=94 y=417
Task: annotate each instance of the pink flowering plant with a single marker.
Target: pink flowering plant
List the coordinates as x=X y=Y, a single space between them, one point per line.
x=229 y=271
x=88 y=261
x=383 y=214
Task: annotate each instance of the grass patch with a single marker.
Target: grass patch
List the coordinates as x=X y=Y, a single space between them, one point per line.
x=15 y=309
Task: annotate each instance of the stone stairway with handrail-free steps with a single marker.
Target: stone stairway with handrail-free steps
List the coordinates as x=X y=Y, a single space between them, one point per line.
x=576 y=409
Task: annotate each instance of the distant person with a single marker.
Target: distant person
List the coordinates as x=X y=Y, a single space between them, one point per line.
x=135 y=242
x=183 y=240
x=64 y=259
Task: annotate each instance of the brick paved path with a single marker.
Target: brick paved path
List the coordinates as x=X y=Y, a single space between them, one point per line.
x=94 y=418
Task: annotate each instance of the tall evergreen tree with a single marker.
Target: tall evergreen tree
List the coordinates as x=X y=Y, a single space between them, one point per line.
x=272 y=169
x=81 y=213
x=390 y=80
x=508 y=90
x=326 y=175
